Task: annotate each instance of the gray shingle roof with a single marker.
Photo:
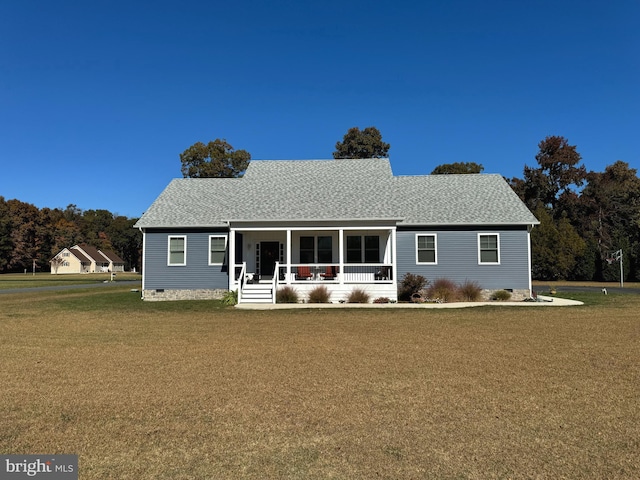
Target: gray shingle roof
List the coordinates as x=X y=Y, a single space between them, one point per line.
x=317 y=190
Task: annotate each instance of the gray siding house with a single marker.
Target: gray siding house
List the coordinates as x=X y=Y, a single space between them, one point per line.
x=345 y=224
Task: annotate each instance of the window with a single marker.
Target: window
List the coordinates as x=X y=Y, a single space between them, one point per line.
x=310 y=254
x=488 y=248
x=325 y=251
x=371 y=249
x=354 y=249
x=357 y=254
x=177 y=250
x=307 y=249
x=426 y=250
x=217 y=249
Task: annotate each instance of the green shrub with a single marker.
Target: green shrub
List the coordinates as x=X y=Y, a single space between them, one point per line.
x=470 y=291
x=443 y=290
x=358 y=295
x=230 y=297
x=286 y=295
x=320 y=294
x=501 y=295
x=410 y=285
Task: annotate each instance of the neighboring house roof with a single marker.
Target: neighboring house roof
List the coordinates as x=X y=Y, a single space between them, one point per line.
x=91 y=252
x=334 y=190
x=111 y=256
x=79 y=255
x=98 y=256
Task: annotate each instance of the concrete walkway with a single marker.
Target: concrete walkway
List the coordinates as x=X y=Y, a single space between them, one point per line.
x=546 y=302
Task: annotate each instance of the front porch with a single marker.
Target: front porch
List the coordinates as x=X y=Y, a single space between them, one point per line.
x=340 y=258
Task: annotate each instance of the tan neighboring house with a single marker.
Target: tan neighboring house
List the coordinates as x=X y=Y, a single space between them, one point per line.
x=85 y=259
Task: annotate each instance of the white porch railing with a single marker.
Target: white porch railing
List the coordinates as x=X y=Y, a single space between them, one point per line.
x=324 y=273
x=335 y=273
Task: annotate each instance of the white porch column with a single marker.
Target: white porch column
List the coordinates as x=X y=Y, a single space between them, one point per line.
x=529 y=258
x=232 y=259
x=394 y=263
x=341 y=255
x=288 y=260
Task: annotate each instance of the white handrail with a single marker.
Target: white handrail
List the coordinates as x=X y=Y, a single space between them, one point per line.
x=241 y=280
x=274 y=282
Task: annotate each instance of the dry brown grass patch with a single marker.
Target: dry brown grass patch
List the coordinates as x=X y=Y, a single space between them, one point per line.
x=200 y=392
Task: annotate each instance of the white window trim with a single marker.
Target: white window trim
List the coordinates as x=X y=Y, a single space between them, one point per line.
x=435 y=241
x=226 y=239
x=497 y=235
x=184 y=237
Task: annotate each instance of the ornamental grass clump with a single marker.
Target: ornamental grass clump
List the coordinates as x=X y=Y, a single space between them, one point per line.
x=443 y=290
x=358 y=295
x=470 y=291
x=286 y=295
x=320 y=294
x=230 y=297
x=501 y=295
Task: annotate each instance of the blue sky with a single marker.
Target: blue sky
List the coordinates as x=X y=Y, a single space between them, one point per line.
x=98 y=99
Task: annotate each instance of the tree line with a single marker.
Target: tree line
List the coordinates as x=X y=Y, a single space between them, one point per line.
x=585 y=216
x=29 y=233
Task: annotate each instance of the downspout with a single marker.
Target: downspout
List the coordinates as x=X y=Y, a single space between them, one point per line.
x=529 y=257
x=144 y=249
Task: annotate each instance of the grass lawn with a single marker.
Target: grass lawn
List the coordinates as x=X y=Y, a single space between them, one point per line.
x=22 y=280
x=541 y=284
x=192 y=390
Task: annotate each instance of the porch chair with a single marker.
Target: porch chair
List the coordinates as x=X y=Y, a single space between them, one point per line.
x=330 y=273
x=303 y=273
x=382 y=274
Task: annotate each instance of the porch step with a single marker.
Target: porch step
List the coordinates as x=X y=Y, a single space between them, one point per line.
x=257 y=293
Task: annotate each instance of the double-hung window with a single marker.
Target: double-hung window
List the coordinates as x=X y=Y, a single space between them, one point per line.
x=354 y=249
x=177 y=251
x=316 y=249
x=307 y=249
x=488 y=248
x=325 y=250
x=217 y=249
x=371 y=249
x=426 y=249
x=363 y=249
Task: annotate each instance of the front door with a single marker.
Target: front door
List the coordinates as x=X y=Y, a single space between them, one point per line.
x=269 y=255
